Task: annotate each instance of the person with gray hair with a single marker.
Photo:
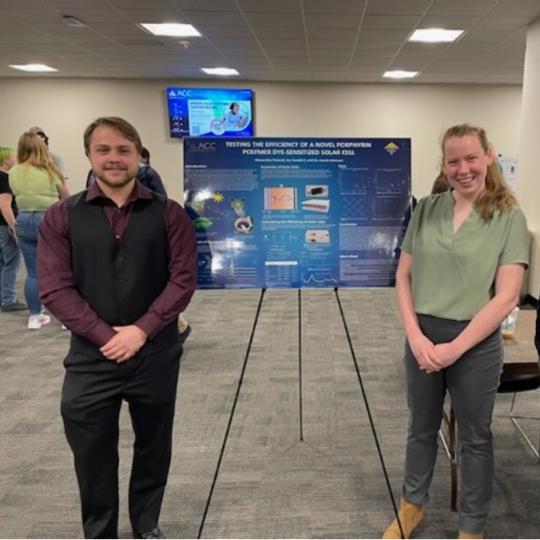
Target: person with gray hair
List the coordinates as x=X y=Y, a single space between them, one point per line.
x=57 y=160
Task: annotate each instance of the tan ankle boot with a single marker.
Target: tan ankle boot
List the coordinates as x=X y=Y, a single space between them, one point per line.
x=470 y=536
x=410 y=516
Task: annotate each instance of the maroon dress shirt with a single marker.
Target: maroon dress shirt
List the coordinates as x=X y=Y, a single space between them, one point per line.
x=57 y=284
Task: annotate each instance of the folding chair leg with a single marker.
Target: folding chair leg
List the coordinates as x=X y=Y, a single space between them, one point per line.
x=450 y=448
x=514 y=418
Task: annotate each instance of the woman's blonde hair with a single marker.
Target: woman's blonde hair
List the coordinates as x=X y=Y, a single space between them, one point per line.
x=496 y=196
x=31 y=150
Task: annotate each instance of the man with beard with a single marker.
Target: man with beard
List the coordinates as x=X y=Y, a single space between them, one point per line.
x=117 y=264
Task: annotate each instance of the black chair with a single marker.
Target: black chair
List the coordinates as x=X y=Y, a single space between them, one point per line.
x=520 y=377
x=516 y=377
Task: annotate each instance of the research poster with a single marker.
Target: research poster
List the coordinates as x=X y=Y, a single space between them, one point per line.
x=297 y=212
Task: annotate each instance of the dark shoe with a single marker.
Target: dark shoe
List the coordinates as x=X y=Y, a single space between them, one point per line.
x=182 y=336
x=154 y=533
x=16 y=306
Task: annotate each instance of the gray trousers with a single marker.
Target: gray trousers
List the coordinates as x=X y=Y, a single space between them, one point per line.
x=472 y=382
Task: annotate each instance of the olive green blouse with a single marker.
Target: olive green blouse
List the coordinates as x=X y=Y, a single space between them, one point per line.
x=453 y=275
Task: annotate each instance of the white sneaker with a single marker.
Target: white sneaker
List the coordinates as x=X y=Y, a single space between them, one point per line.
x=44 y=318
x=35 y=322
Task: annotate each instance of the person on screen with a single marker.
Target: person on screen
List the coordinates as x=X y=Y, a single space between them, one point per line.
x=117 y=264
x=234 y=119
x=459 y=275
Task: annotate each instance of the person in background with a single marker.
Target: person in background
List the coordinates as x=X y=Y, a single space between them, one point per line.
x=440 y=185
x=459 y=275
x=150 y=179
x=148 y=176
x=10 y=256
x=117 y=264
x=57 y=160
x=36 y=184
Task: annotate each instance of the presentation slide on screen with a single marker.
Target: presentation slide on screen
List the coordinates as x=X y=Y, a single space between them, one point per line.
x=290 y=213
x=210 y=112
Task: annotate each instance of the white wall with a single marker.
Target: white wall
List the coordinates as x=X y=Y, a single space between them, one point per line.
x=64 y=107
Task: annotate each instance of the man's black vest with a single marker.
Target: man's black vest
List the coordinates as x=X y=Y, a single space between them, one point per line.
x=119 y=278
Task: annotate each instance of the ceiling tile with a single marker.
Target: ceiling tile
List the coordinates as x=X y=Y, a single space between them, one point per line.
x=215 y=18
x=498 y=24
x=334 y=34
x=383 y=35
x=134 y=4
x=398 y=7
x=335 y=6
x=266 y=20
x=330 y=20
x=319 y=45
x=525 y=8
x=462 y=7
x=205 y=5
x=277 y=6
x=156 y=16
x=389 y=22
x=30 y=15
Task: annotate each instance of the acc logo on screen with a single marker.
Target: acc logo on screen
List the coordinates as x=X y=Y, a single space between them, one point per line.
x=202 y=147
x=179 y=93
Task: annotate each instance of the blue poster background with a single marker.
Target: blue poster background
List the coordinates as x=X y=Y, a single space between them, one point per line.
x=297 y=212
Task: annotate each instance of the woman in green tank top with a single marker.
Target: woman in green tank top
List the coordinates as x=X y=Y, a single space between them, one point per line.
x=36 y=184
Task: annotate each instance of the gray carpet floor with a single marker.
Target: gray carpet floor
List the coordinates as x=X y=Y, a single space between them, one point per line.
x=283 y=473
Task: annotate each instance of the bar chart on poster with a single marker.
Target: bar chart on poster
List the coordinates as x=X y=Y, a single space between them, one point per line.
x=297 y=212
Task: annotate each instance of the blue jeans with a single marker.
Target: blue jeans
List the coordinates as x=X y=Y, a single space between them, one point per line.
x=27 y=227
x=10 y=258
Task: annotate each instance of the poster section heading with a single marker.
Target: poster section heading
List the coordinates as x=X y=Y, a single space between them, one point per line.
x=297 y=212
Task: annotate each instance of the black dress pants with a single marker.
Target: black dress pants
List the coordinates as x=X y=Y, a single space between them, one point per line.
x=92 y=395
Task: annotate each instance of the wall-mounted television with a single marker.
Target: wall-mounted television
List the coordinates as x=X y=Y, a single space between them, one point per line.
x=210 y=112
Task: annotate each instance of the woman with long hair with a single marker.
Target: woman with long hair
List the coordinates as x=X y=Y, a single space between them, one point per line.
x=459 y=275
x=36 y=184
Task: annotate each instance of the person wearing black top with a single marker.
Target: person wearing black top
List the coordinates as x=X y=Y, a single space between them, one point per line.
x=10 y=256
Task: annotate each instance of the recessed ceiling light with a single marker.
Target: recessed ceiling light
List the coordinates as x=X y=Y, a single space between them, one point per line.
x=172 y=29
x=33 y=67
x=400 y=74
x=223 y=71
x=435 y=35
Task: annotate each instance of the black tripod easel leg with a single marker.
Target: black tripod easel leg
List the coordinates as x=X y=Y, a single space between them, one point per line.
x=300 y=389
x=368 y=410
x=231 y=416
